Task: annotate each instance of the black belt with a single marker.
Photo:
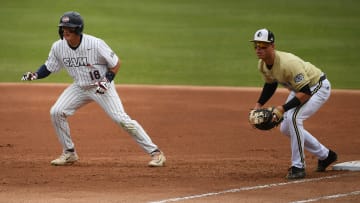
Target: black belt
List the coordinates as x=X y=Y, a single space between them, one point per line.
x=323 y=77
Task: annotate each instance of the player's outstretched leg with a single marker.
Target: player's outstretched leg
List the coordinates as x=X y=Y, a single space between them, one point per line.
x=145 y=142
x=112 y=105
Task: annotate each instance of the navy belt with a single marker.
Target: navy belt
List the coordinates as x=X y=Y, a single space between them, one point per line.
x=323 y=77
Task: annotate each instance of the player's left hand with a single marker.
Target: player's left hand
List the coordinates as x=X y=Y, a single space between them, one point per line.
x=265 y=118
x=29 y=76
x=102 y=86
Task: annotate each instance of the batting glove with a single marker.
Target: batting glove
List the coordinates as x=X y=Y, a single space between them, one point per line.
x=102 y=86
x=29 y=76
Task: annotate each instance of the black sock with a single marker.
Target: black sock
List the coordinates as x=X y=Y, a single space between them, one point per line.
x=70 y=150
x=156 y=150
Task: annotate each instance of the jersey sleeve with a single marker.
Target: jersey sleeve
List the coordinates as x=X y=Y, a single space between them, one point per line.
x=298 y=77
x=108 y=55
x=53 y=63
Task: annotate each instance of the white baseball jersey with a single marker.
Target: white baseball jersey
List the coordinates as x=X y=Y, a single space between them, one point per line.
x=87 y=64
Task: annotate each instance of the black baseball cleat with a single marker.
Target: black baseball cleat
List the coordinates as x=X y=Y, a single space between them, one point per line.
x=323 y=164
x=296 y=173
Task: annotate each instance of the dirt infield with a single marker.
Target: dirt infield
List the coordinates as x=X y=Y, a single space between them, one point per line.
x=213 y=154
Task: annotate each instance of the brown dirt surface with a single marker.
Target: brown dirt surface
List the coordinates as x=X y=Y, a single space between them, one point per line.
x=213 y=154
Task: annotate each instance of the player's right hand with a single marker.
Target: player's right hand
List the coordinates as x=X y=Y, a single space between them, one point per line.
x=102 y=86
x=29 y=76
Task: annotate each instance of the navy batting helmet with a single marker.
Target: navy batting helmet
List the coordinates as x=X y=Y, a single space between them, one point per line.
x=71 y=19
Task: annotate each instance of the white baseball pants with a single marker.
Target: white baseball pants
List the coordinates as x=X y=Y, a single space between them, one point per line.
x=293 y=127
x=75 y=97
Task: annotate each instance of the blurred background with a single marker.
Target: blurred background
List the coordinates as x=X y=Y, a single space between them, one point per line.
x=187 y=42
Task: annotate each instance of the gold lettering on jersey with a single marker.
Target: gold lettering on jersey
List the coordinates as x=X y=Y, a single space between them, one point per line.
x=75 y=62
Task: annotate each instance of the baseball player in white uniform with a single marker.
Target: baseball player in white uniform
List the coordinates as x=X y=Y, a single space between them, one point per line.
x=309 y=90
x=92 y=65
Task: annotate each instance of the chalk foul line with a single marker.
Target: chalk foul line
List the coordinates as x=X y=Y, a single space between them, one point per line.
x=235 y=190
x=329 y=197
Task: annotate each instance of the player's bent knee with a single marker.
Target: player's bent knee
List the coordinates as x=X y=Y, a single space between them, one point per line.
x=57 y=113
x=284 y=127
x=54 y=112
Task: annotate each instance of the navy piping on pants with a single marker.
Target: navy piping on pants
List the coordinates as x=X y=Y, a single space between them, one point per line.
x=296 y=127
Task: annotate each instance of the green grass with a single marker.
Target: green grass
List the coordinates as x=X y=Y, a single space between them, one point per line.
x=188 y=42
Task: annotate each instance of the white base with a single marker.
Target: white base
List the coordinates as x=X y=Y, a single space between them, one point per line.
x=347 y=166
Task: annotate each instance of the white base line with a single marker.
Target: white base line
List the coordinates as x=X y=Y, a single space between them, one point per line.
x=329 y=197
x=246 y=189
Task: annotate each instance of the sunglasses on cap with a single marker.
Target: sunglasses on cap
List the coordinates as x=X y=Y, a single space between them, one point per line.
x=261 y=45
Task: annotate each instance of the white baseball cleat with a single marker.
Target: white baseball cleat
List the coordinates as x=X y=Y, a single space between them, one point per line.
x=157 y=159
x=66 y=158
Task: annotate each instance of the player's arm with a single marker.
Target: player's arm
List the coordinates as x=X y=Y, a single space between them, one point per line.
x=42 y=72
x=300 y=98
x=104 y=84
x=111 y=73
x=266 y=93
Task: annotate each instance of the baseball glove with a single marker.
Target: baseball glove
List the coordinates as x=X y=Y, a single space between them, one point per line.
x=265 y=118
